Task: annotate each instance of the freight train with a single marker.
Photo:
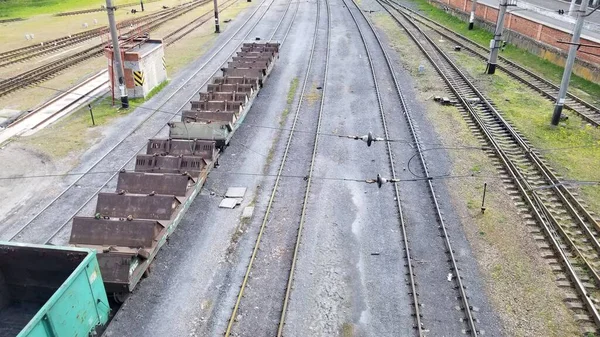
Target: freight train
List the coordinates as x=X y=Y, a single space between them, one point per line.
x=66 y=288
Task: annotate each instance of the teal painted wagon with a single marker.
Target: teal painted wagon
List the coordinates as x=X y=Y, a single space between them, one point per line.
x=48 y=291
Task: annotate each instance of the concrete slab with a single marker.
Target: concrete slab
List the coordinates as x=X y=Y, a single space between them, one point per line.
x=228 y=203
x=235 y=192
x=248 y=211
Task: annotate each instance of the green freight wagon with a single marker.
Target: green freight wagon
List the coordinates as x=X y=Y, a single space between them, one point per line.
x=48 y=291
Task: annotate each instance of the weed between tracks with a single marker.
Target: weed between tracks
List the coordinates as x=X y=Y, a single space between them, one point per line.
x=518 y=282
x=587 y=90
x=573 y=148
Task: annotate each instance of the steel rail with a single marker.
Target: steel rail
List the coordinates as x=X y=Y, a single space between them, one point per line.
x=223 y=6
x=56 y=232
x=286 y=151
x=591 y=116
x=573 y=206
x=288 y=289
x=45 y=47
x=467 y=308
x=550 y=225
x=43 y=72
x=215 y=54
x=191 y=26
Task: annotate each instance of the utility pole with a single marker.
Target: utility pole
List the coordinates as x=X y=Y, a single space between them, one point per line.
x=564 y=84
x=496 y=42
x=217 y=30
x=142 y=4
x=472 y=17
x=572 y=7
x=117 y=53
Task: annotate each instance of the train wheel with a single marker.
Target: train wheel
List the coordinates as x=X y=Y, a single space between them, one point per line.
x=120 y=297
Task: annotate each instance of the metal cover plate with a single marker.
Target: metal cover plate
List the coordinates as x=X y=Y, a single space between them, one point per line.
x=156 y=207
x=145 y=183
x=101 y=232
x=235 y=192
x=228 y=203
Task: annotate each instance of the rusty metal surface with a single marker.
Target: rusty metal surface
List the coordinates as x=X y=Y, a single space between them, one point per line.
x=175 y=147
x=156 y=207
x=261 y=45
x=236 y=80
x=248 y=63
x=264 y=58
x=115 y=271
x=260 y=49
x=170 y=164
x=145 y=183
x=208 y=116
x=224 y=96
x=245 y=72
x=217 y=105
x=230 y=87
x=102 y=232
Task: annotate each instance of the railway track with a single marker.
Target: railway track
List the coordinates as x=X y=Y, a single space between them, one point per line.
x=56 y=215
x=568 y=233
x=27 y=53
x=48 y=70
x=179 y=33
x=377 y=75
x=547 y=89
x=302 y=103
x=169 y=39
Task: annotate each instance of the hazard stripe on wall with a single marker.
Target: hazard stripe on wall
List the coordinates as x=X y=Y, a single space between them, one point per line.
x=164 y=63
x=138 y=77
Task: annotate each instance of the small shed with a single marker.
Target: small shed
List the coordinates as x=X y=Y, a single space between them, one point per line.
x=144 y=65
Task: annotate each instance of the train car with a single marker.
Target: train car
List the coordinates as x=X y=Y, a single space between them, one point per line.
x=131 y=225
x=48 y=291
x=221 y=110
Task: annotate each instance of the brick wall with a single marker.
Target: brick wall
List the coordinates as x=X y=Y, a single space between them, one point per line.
x=536 y=37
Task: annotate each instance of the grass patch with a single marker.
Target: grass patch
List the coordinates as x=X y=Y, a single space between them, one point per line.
x=586 y=89
x=508 y=262
x=573 y=148
x=27 y=8
x=292 y=91
x=313 y=94
x=76 y=132
x=156 y=89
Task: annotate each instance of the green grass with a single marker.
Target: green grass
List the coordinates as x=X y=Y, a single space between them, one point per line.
x=27 y=8
x=543 y=67
x=292 y=92
x=573 y=148
x=76 y=131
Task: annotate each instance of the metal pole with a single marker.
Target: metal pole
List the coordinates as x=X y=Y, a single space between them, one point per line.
x=572 y=8
x=92 y=114
x=472 y=17
x=564 y=84
x=142 y=4
x=217 y=30
x=496 y=42
x=117 y=53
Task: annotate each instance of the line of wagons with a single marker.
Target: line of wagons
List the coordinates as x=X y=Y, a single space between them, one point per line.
x=64 y=291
